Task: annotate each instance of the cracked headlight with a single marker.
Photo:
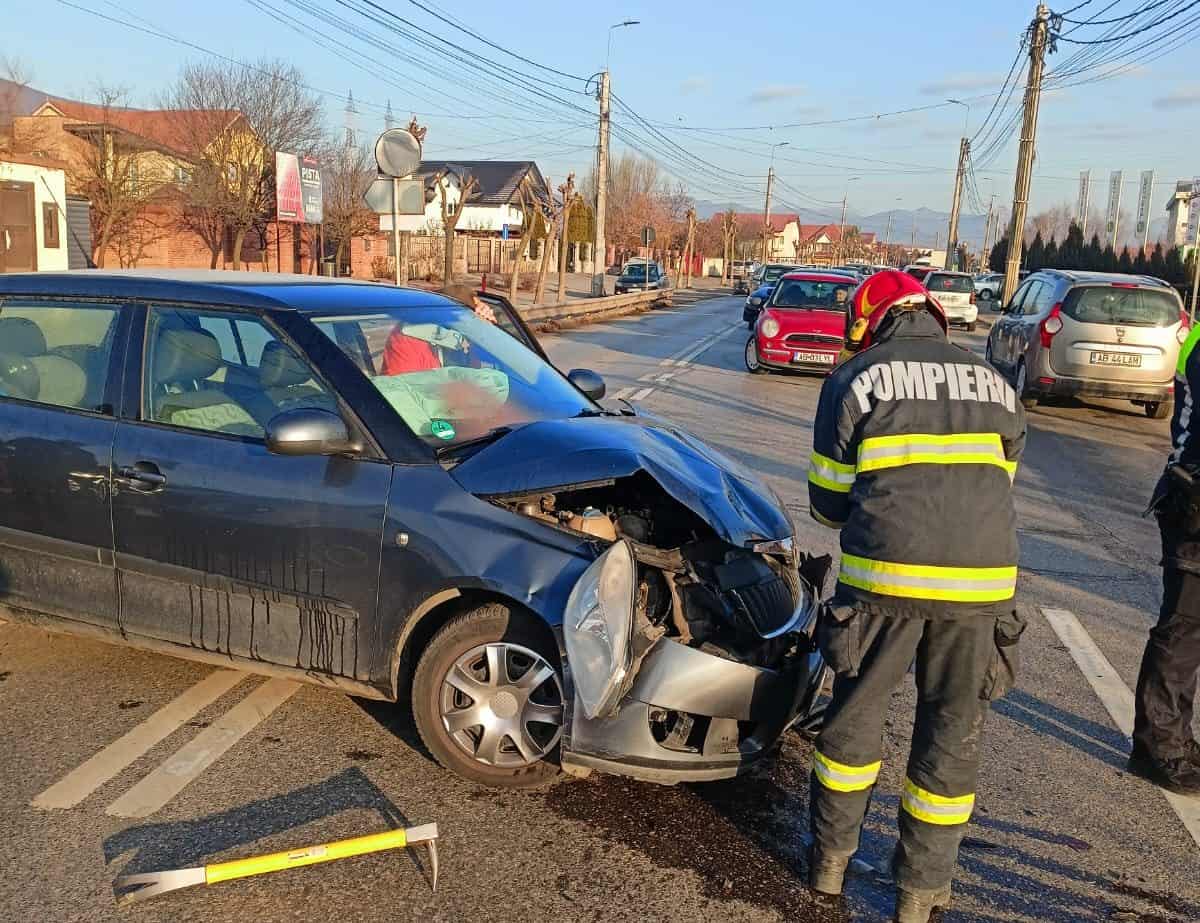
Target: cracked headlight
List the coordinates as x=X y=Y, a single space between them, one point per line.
x=597 y=626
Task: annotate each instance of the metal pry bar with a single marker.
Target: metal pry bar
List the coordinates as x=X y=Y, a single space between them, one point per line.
x=133 y=888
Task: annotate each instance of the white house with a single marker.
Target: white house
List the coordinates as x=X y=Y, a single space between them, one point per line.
x=33 y=226
x=1178 y=208
x=495 y=203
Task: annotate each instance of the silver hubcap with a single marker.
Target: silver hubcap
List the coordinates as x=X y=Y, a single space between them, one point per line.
x=751 y=354
x=503 y=705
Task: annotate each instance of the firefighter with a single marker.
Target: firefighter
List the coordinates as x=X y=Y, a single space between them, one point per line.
x=1164 y=750
x=915 y=447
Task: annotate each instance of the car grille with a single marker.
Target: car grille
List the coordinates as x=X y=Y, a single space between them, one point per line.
x=812 y=339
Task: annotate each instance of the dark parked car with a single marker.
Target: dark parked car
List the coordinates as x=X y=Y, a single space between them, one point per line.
x=377 y=490
x=642 y=276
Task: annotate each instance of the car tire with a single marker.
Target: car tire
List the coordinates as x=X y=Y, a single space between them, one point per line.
x=986 y=294
x=987 y=353
x=753 y=365
x=1158 y=410
x=1021 y=386
x=971 y=327
x=477 y=637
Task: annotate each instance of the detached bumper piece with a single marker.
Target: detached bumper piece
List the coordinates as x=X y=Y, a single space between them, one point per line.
x=692 y=716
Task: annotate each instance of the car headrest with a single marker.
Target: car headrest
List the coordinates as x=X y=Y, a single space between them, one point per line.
x=279 y=367
x=60 y=381
x=185 y=355
x=18 y=376
x=22 y=336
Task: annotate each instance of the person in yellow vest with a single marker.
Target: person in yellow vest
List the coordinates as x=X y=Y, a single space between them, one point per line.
x=915 y=447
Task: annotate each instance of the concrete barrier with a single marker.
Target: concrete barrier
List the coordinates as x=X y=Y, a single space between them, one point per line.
x=586 y=310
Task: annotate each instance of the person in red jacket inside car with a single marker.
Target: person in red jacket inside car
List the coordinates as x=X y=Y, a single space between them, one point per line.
x=404 y=353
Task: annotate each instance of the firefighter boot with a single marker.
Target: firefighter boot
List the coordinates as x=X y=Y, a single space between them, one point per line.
x=917 y=906
x=826 y=873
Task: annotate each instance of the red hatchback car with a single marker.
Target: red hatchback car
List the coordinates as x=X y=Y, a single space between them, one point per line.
x=803 y=326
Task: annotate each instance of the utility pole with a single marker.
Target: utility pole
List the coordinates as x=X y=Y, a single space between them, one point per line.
x=1033 y=98
x=842 y=232
x=600 y=250
x=766 y=232
x=987 y=226
x=964 y=154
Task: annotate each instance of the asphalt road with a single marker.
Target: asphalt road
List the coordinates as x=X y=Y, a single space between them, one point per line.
x=1060 y=833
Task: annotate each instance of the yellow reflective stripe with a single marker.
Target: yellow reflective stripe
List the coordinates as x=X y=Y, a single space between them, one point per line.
x=832 y=475
x=925 y=581
x=825 y=520
x=880 y=452
x=843 y=778
x=936 y=809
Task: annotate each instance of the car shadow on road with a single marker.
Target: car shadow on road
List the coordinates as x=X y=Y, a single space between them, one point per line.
x=183 y=844
x=397 y=719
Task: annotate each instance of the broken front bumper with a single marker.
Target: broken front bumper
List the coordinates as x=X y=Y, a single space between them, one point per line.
x=690 y=716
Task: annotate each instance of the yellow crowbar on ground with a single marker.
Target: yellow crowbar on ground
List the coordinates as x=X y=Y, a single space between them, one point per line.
x=150 y=884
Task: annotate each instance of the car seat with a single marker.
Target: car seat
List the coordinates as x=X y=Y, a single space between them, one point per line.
x=288 y=382
x=183 y=360
x=35 y=373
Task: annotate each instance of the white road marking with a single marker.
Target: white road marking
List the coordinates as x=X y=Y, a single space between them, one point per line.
x=82 y=781
x=680 y=363
x=623 y=393
x=640 y=395
x=1115 y=696
x=186 y=764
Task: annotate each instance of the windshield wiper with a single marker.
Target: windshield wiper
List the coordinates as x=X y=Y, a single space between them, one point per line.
x=447 y=451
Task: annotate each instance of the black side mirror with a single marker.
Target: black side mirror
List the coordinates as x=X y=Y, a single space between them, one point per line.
x=587 y=381
x=309 y=431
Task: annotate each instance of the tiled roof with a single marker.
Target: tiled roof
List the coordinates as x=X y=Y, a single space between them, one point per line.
x=498 y=179
x=162 y=127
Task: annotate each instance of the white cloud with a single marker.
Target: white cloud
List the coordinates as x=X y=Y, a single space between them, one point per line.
x=694 y=85
x=1184 y=98
x=775 y=92
x=962 y=83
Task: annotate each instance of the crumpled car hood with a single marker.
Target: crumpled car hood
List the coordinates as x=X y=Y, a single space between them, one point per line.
x=559 y=453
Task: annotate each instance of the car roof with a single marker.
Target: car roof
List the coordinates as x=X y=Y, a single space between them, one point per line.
x=310 y=294
x=951 y=272
x=1106 y=278
x=821 y=275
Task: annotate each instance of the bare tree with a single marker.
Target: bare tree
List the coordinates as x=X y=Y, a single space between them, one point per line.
x=348 y=173
x=469 y=187
x=531 y=219
x=569 y=198
x=233 y=119
x=14 y=81
x=550 y=216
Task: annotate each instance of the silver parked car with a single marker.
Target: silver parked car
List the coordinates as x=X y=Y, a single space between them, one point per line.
x=955 y=292
x=1091 y=334
x=989 y=285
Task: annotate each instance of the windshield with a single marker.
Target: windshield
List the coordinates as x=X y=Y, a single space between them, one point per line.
x=1137 y=307
x=940 y=282
x=806 y=293
x=638 y=271
x=451 y=375
x=772 y=274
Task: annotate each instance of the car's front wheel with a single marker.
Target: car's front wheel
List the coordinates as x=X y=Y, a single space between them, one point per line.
x=752 y=364
x=986 y=294
x=1021 y=386
x=488 y=701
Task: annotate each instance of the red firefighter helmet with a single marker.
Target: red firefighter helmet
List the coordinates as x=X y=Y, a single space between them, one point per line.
x=884 y=292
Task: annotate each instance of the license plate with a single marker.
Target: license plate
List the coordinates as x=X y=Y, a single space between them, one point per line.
x=814 y=358
x=1132 y=360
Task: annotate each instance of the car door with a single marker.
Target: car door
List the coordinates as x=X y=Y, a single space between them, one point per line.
x=1026 y=335
x=220 y=544
x=1008 y=351
x=57 y=392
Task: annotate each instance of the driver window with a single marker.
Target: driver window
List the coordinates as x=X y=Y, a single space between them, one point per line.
x=1037 y=296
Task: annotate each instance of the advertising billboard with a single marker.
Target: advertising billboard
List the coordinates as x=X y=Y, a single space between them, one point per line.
x=1085 y=189
x=1145 y=193
x=312 y=192
x=299 y=196
x=1113 y=216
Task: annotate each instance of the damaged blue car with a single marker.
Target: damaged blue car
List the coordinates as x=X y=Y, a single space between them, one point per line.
x=391 y=494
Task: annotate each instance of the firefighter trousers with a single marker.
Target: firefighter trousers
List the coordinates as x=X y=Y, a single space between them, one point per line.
x=1166 y=688
x=952 y=660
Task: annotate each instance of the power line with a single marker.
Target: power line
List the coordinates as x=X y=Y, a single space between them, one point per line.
x=1128 y=35
x=1106 y=22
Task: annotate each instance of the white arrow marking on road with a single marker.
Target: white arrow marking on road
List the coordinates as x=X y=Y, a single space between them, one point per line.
x=82 y=781
x=169 y=779
x=1115 y=696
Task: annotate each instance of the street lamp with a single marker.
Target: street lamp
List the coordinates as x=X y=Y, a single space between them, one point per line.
x=774 y=147
x=842 y=230
x=966 y=115
x=619 y=25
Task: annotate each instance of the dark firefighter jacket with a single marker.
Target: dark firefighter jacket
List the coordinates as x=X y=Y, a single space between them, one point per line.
x=1186 y=421
x=915 y=447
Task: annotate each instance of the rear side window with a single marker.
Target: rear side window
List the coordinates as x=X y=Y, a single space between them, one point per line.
x=940 y=282
x=1137 y=307
x=56 y=353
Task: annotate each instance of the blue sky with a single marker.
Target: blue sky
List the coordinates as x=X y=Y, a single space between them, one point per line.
x=688 y=65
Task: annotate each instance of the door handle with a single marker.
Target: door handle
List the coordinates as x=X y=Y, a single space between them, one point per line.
x=143 y=476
